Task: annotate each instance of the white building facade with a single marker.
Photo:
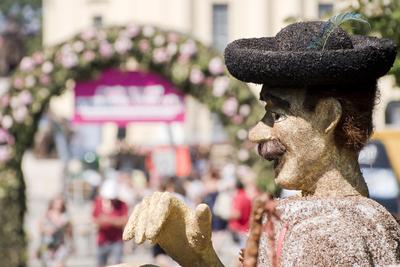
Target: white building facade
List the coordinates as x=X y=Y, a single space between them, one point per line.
x=213 y=22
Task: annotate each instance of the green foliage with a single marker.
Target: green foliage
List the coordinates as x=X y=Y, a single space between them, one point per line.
x=341 y=18
x=12 y=205
x=7 y=5
x=28 y=15
x=334 y=22
x=384 y=18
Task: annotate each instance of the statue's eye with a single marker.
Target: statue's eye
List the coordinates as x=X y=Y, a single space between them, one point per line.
x=277 y=117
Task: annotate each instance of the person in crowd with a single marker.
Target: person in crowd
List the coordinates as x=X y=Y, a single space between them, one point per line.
x=55 y=234
x=211 y=183
x=219 y=198
x=110 y=215
x=141 y=185
x=93 y=179
x=195 y=190
x=126 y=192
x=200 y=160
x=240 y=214
x=174 y=185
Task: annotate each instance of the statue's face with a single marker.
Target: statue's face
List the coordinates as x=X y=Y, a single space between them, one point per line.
x=292 y=137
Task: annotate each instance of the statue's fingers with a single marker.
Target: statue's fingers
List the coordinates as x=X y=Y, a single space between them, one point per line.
x=140 y=227
x=129 y=230
x=203 y=218
x=160 y=209
x=155 y=198
x=199 y=235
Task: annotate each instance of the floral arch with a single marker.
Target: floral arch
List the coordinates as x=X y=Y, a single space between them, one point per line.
x=192 y=67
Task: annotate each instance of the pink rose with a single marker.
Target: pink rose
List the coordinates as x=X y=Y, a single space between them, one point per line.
x=230 y=106
x=27 y=64
x=132 y=31
x=5 y=153
x=123 y=45
x=144 y=46
x=237 y=119
x=148 y=31
x=30 y=81
x=188 y=48
x=173 y=37
x=88 y=56
x=14 y=102
x=38 y=58
x=89 y=34
x=159 y=40
x=172 y=48
x=209 y=81
x=160 y=55
x=18 y=83
x=47 y=67
x=241 y=134
x=183 y=59
x=6 y=137
x=7 y=122
x=20 y=114
x=5 y=100
x=216 y=66
x=220 y=86
x=44 y=79
x=244 y=110
x=25 y=97
x=3 y=136
x=78 y=46
x=106 y=49
x=196 y=76
x=69 y=60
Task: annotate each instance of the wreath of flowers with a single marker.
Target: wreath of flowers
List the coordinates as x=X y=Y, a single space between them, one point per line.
x=195 y=69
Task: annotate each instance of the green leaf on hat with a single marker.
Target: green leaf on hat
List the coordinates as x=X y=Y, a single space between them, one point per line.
x=332 y=23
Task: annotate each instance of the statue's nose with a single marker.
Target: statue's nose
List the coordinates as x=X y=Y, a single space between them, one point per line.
x=260 y=133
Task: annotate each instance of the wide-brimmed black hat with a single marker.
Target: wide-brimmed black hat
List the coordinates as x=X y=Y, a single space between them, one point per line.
x=293 y=59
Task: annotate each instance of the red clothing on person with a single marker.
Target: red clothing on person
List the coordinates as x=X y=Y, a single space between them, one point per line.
x=109 y=233
x=241 y=204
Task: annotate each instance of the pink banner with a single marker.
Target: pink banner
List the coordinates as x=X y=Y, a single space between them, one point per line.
x=124 y=97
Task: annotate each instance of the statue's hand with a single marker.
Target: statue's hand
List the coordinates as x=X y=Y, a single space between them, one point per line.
x=183 y=233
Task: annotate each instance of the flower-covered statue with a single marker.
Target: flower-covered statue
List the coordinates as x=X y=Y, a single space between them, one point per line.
x=319 y=98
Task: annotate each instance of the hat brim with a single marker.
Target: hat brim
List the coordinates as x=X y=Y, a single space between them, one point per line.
x=257 y=60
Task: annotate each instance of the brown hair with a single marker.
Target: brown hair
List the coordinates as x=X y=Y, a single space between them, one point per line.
x=357 y=101
x=53 y=200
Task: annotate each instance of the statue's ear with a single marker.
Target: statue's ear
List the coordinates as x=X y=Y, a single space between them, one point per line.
x=328 y=112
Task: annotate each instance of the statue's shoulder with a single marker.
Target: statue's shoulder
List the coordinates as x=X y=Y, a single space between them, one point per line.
x=352 y=208
x=344 y=230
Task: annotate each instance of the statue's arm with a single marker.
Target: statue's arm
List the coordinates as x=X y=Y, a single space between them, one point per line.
x=184 y=234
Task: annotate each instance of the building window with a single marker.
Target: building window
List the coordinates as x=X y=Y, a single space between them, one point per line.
x=325 y=10
x=220 y=26
x=98 y=21
x=121 y=134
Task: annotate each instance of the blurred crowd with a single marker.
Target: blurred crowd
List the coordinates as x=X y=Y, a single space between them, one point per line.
x=114 y=192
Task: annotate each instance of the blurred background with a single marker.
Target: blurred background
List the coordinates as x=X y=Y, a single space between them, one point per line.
x=104 y=102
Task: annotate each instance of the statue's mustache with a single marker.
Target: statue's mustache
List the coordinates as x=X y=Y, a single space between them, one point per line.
x=271 y=150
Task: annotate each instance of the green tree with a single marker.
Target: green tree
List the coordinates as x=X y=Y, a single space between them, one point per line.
x=20 y=33
x=384 y=18
x=21 y=20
